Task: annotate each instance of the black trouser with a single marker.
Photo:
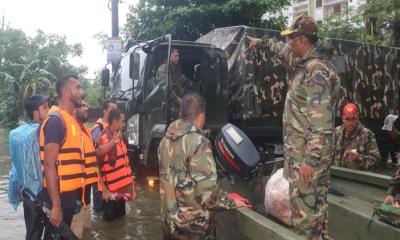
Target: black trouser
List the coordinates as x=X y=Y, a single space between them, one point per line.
x=34 y=220
x=50 y=231
x=113 y=209
x=97 y=199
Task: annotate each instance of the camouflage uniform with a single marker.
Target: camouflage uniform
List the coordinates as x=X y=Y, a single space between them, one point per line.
x=188 y=182
x=308 y=126
x=180 y=84
x=363 y=140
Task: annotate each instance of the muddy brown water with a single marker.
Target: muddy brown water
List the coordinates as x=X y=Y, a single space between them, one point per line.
x=142 y=221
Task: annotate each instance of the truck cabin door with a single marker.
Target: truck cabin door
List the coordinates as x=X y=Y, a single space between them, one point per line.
x=214 y=86
x=154 y=109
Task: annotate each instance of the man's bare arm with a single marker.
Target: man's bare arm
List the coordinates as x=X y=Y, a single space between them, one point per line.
x=51 y=151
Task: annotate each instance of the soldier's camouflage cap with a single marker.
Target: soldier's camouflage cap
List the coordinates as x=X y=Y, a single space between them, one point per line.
x=303 y=25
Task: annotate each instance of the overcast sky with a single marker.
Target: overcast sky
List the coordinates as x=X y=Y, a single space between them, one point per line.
x=78 y=20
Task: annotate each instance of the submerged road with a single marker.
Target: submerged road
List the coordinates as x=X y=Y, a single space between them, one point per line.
x=141 y=223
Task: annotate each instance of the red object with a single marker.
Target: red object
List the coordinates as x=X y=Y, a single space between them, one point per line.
x=227 y=156
x=124 y=196
x=350 y=109
x=237 y=196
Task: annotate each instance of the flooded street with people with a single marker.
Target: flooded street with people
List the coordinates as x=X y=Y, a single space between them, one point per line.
x=142 y=221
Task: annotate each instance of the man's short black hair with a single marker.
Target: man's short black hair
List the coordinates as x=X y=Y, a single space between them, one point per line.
x=191 y=106
x=32 y=104
x=312 y=38
x=106 y=104
x=174 y=50
x=115 y=114
x=62 y=80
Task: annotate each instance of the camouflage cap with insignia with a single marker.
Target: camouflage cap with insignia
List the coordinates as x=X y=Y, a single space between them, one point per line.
x=303 y=25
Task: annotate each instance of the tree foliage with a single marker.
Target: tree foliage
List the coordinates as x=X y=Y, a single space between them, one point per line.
x=383 y=18
x=94 y=92
x=188 y=20
x=348 y=24
x=30 y=66
x=376 y=22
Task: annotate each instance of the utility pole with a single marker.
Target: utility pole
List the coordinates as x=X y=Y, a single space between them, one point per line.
x=114 y=18
x=114 y=25
x=2 y=23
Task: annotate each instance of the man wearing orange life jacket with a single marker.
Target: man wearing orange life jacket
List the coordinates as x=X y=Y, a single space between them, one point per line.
x=102 y=123
x=61 y=152
x=96 y=130
x=81 y=221
x=116 y=171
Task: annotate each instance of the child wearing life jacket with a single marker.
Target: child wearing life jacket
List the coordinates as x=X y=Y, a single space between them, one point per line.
x=115 y=169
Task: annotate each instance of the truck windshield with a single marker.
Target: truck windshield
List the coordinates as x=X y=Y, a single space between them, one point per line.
x=122 y=81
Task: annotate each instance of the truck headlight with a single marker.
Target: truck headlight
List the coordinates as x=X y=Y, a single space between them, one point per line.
x=133 y=130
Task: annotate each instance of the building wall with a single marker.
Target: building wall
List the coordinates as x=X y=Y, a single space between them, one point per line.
x=323 y=8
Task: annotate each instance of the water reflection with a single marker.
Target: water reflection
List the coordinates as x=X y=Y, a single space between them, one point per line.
x=141 y=223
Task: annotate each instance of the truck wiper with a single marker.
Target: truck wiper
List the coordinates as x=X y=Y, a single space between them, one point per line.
x=147 y=47
x=119 y=95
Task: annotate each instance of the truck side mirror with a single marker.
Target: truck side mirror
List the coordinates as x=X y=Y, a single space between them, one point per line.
x=105 y=77
x=134 y=68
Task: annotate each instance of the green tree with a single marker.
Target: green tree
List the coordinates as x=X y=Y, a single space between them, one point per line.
x=376 y=22
x=346 y=25
x=188 y=20
x=94 y=92
x=383 y=18
x=30 y=66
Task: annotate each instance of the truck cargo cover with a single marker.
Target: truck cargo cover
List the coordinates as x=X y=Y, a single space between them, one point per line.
x=369 y=75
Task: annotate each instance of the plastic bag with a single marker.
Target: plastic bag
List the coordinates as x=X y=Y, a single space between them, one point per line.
x=277 y=201
x=24 y=153
x=13 y=188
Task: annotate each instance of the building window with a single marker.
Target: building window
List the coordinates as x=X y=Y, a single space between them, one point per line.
x=318 y=3
x=337 y=8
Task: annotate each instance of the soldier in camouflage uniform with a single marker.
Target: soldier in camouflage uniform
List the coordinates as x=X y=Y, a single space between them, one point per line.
x=180 y=84
x=308 y=125
x=188 y=177
x=355 y=145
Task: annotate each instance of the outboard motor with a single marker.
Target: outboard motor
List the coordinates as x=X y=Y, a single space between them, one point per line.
x=236 y=153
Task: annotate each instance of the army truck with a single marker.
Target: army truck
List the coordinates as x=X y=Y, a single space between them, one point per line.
x=143 y=93
x=248 y=89
x=243 y=87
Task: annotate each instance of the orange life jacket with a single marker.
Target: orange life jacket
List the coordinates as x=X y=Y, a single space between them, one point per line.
x=120 y=174
x=91 y=169
x=70 y=159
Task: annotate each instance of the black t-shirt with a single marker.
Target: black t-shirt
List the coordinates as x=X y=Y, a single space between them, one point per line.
x=54 y=132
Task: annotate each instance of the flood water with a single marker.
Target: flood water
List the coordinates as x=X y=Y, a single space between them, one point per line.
x=142 y=221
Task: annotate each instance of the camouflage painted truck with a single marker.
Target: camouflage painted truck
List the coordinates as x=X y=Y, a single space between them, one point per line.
x=248 y=89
